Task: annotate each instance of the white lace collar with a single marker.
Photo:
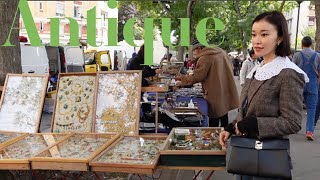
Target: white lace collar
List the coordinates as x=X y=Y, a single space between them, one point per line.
x=273 y=68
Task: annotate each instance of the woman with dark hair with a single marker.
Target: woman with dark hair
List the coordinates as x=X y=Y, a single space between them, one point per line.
x=272 y=97
x=137 y=64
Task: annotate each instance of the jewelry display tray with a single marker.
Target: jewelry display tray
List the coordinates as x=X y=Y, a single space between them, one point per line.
x=193 y=158
x=143 y=158
x=6 y=137
x=73 y=153
x=16 y=154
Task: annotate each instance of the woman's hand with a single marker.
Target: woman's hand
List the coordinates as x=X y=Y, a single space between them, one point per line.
x=224 y=136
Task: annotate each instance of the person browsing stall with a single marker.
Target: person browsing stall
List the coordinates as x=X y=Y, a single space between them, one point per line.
x=247 y=66
x=137 y=64
x=213 y=69
x=272 y=97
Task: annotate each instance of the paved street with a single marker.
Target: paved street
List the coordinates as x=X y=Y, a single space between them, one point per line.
x=305 y=155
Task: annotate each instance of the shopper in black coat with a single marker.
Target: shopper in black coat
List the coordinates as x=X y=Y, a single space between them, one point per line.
x=137 y=64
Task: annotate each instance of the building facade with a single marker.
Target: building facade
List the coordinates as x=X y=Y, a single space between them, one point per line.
x=43 y=10
x=307 y=21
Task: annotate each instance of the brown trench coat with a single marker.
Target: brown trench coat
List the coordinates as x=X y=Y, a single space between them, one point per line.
x=214 y=71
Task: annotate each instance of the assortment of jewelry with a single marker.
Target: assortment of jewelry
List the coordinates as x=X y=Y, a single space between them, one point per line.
x=77 y=146
x=74 y=107
x=133 y=150
x=21 y=103
x=195 y=139
x=194 y=91
x=118 y=103
x=5 y=136
x=29 y=146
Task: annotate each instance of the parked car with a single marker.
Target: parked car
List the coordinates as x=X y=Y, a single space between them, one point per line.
x=34 y=59
x=74 y=58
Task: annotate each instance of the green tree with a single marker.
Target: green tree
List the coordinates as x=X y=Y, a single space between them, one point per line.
x=237 y=16
x=309 y=31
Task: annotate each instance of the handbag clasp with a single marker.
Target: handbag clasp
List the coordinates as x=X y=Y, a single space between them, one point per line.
x=258 y=145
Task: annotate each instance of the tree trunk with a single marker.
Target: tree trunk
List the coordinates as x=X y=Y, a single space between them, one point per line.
x=243 y=43
x=317 y=10
x=180 y=53
x=282 y=5
x=189 y=15
x=10 y=60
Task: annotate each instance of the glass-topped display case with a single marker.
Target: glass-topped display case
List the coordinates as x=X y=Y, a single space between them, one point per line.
x=138 y=152
x=73 y=153
x=16 y=154
x=196 y=146
x=7 y=137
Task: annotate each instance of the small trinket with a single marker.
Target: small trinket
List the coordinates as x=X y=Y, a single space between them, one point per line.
x=78 y=99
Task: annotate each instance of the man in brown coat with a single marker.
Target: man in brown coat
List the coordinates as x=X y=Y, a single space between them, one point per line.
x=214 y=71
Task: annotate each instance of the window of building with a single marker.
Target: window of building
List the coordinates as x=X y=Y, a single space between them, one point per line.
x=61 y=29
x=41 y=6
x=23 y=27
x=41 y=26
x=103 y=19
x=77 y=11
x=311 y=21
x=60 y=9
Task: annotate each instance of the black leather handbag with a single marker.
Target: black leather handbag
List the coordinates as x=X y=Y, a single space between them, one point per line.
x=267 y=158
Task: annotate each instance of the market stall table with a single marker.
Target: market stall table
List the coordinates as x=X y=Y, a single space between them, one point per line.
x=155 y=90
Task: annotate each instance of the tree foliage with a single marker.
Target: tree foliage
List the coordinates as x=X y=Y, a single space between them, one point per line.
x=237 y=16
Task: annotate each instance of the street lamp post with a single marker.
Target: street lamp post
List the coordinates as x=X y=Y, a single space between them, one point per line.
x=299 y=2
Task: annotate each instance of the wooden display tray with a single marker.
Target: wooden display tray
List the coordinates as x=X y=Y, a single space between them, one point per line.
x=16 y=136
x=108 y=117
x=41 y=102
x=55 y=112
x=126 y=167
x=23 y=163
x=192 y=158
x=69 y=164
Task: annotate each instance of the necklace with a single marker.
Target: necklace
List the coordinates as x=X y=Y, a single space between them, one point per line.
x=83 y=113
